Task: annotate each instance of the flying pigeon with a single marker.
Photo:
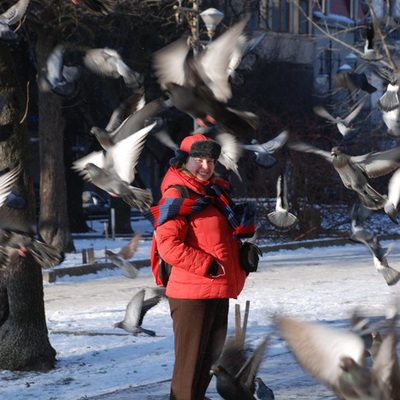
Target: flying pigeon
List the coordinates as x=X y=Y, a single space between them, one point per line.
x=108 y=63
x=392 y=203
x=354 y=82
x=392 y=121
x=379 y=253
x=354 y=170
x=135 y=312
x=114 y=171
x=198 y=84
x=282 y=218
x=17 y=234
x=60 y=78
x=98 y=7
x=235 y=373
x=263 y=151
x=10 y=17
x=371 y=53
x=337 y=359
x=134 y=122
x=344 y=124
x=126 y=252
x=358 y=215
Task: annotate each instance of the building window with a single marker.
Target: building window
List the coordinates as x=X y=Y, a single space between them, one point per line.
x=279 y=15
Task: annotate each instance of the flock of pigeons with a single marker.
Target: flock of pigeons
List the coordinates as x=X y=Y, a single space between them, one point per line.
x=198 y=84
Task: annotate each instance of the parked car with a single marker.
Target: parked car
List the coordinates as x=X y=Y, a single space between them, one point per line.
x=94 y=206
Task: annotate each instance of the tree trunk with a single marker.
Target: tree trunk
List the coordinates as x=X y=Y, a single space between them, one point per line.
x=23 y=332
x=53 y=219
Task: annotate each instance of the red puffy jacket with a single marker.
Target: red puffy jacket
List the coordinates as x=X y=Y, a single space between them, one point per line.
x=191 y=243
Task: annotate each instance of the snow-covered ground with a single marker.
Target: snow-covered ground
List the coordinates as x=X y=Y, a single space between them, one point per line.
x=324 y=284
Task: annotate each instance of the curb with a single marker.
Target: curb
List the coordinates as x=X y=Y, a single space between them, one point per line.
x=51 y=275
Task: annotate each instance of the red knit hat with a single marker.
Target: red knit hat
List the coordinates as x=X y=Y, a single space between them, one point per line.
x=197 y=146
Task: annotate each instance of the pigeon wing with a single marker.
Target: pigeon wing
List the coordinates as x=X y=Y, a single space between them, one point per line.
x=7 y=181
x=15 y=12
x=319 y=349
x=124 y=155
x=169 y=62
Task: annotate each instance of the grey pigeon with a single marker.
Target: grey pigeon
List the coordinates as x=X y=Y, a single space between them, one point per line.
x=98 y=7
x=263 y=392
x=335 y=357
x=10 y=17
x=358 y=215
x=133 y=123
x=344 y=124
x=135 y=312
x=124 y=254
x=392 y=121
x=115 y=171
x=109 y=63
x=198 y=84
x=282 y=218
x=235 y=372
x=354 y=170
x=354 y=82
x=264 y=151
x=60 y=78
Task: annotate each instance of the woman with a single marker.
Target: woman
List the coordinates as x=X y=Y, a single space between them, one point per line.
x=198 y=237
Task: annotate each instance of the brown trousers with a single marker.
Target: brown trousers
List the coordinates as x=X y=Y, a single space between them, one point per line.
x=200 y=328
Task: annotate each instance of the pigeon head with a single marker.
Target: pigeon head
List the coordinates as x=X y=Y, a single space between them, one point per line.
x=336 y=151
x=197 y=146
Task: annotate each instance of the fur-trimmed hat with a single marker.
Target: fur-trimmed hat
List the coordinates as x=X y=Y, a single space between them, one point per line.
x=196 y=146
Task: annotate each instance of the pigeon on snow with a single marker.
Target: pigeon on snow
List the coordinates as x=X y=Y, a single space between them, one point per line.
x=108 y=63
x=98 y=7
x=10 y=17
x=263 y=151
x=337 y=359
x=235 y=373
x=114 y=171
x=135 y=312
x=354 y=170
x=124 y=254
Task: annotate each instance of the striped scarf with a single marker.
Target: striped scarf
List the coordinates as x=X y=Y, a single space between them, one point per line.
x=240 y=216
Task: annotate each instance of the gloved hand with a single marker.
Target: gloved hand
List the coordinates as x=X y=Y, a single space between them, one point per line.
x=213 y=269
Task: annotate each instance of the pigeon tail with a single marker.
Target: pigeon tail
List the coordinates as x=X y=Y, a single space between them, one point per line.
x=389 y=101
x=45 y=255
x=390 y=275
x=145 y=331
x=139 y=198
x=282 y=219
x=391 y=211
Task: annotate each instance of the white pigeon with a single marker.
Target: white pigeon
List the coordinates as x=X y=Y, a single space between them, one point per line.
x=336 y=358
x=263 y=151
x=109 y=63
x=282 y=218
x=115 y=171
x=10 y=17
x=344 y=124
x=135 y=312
x=231 y=151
